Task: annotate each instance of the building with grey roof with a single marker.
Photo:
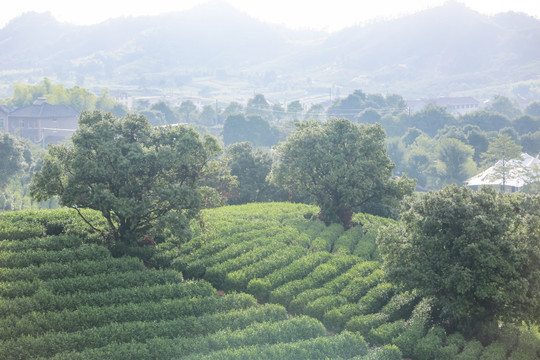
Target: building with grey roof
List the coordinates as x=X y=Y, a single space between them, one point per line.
x=42 y=122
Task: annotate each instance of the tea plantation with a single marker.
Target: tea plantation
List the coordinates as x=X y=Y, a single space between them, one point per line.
x=258 y=281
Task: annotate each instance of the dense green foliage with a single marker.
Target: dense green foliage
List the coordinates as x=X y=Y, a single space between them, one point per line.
x=135 y=175
x=253 y=128
x=251 y=168
x=476 y=253
x=63 y=298
x=342 y=166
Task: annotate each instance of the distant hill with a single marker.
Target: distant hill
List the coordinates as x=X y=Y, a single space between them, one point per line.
x=435 y=52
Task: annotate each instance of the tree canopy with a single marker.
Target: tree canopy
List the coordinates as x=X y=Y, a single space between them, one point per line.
x=342 y=166
x=502 y=149
x=477 y=253
x=12 y=159
x=135 y=175
x=253 y=128
x=251 y=168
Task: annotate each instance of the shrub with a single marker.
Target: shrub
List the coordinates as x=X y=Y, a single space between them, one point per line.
x=216 y=274
x=50 y=271
x=414 y=329
x=429 y=346
x=385 y=332
x=45 y=301
x=494 y=351
x=347 y=242
x=358 y=287
x=317 y=308
x=471 y=351
x=400 y=305
x=260 y=288
x=342 y=346
x=239 y=279
x=50 y=243
x=528 y=346
x=137 y=331
x=364 y=323
x=386 y=352
x=456 y=339
x=86 y=317
x=336 y=319
x=26 y=258
x=323 y=273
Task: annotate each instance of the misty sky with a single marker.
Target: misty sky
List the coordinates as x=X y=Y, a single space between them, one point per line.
x=327 y=15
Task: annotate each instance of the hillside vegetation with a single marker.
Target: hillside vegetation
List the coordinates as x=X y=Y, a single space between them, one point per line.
x=216 y=51
x=256 y=281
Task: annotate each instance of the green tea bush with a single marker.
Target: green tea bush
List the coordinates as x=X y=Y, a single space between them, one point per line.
x=138 y=331
x=317 y=308
x=415 y=329
x=265 y=333
x=314 y=228
x=342 y=346
x=325 y=239
x=471 y=351
x=494 y=351
x=321 y=274
x=44 y=301
x=372 y=302
x=50 y=243
x=238 y=280
x=87 y=317
x=429 y=346
x=300 y=301
x=108 y=281
x=347 y=241
x=386 y=352
x=365 y=247
x=10 y=290
x=9 y=259
x=358 y=287
x=197 y=268
x=50 y=271
x=400 y=306
x=216 y=274
x=385 y=333
x=25 y=224
x=295 y=270
x=335 y=285
x=364 y=323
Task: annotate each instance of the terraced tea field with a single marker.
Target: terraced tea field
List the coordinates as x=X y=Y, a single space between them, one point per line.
x=259 y=281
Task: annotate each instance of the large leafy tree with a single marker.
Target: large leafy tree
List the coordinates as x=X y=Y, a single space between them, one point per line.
x=500 y=152
x=12 y=159
x=251 y=168
x=476 y=253
x=342 y=166
x=431 y=119
x=456 y=159
x=135 y=175
x=253 y=128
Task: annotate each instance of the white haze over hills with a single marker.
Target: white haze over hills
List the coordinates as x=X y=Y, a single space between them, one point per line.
x=215 y=51
x=295 y=14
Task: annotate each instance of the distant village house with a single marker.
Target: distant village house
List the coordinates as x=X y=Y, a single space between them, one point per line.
x=454 y=105
x=521 y=172
x=42 y=122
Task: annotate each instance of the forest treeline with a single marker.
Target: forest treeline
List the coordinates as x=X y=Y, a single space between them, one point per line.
x=431 y=145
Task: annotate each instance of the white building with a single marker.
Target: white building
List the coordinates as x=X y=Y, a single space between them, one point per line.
x=522 y=171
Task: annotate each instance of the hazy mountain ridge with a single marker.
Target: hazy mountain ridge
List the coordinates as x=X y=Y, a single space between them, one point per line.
x=451 y=44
